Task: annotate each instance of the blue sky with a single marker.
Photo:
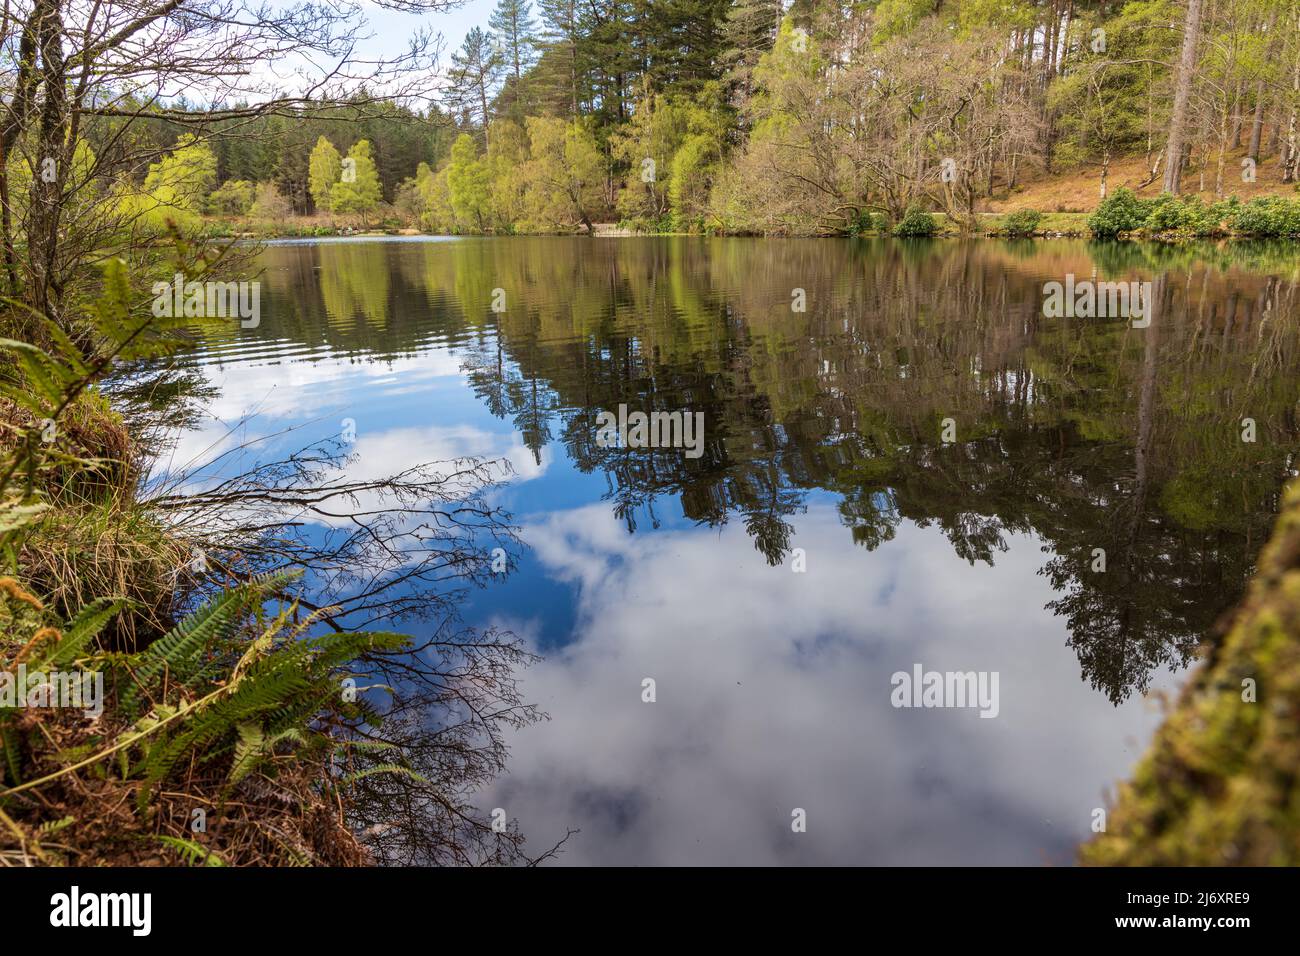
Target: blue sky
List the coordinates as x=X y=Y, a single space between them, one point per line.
x=391 y=29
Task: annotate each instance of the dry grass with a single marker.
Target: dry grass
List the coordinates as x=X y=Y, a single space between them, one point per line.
x=77 y=555
x=282 y=820
x=96 y=539
x=1077 y=190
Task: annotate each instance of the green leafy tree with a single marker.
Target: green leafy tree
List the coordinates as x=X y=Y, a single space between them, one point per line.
x=434 y=197
x=357 y=190
x=469 y=185
x=564 y=174
x=647 y=145
x=323 y=171
x=1103 y=103
x=175 y=190
x=189 y=172
x=669 y=147
x=234 y=198
x=506 y=162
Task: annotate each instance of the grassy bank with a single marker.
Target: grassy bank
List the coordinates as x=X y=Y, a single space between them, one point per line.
x=169 y=692
x=135 y=732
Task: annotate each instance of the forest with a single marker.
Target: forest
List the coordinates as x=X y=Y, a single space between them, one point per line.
x=759 y=117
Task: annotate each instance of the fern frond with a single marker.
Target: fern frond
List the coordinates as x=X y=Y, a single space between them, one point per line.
x=217 y=620
x=50 y=827
x=16 y=516
x=248 y=751
x=90 y=620
x=194 y=854
x=385 y=768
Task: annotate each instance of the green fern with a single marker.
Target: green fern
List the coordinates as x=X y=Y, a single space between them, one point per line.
x=385 y=768
x=84 y=628
x=194 y=854
x=177 y=651
x=169 y=709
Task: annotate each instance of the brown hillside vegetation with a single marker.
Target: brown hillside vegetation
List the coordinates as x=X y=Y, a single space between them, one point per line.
x=1077 y=189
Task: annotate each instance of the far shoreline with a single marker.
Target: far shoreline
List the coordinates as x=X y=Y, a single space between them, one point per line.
x=290 y=237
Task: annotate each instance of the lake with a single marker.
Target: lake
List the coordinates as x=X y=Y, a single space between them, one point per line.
x=904 y=465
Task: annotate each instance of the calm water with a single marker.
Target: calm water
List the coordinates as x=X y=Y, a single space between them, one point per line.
x=826 y=537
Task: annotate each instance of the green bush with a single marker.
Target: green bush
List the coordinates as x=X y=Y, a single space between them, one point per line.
x=1120 y=212
x=865 y=223
x=1024 y=222
x=234 y=198
x=1267 y=217
x=1188 y=216
x=1219 y=216
x=916 y=224
x=1166 y=214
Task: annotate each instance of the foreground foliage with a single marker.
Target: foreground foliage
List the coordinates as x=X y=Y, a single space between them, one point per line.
x=223 y=740
x=256 y=727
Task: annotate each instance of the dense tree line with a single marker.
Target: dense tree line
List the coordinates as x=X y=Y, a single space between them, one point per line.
x=804 y=117
x=754 y=115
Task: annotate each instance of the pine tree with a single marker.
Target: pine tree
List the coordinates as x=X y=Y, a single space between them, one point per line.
x=682 y=42
x=561 y=35
x=475 y=72
x=323 y=170
x=513 y=25
x=750 y=31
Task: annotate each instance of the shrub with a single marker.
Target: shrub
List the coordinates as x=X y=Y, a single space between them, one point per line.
x=916 y=224
x=1267 y=217
x=1024 y=222
x=866 y=222
x=270 y=204
x=1120 y=212
x=1166 y=214
x=234 y=198
x=1218 y=218
x=1188 y=216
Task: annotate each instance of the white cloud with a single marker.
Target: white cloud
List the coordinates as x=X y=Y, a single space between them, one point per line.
x=773 y=693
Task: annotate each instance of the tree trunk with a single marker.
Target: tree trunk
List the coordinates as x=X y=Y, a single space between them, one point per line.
x=1292 y=157
x=1261 y=93
x=1236 y=115
x=17 y=111
x=1221 y=161
x=46 y=206
x=1182 y=93
x=1257 y=127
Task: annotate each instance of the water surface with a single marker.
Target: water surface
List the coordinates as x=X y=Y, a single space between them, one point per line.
x=826 y=537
